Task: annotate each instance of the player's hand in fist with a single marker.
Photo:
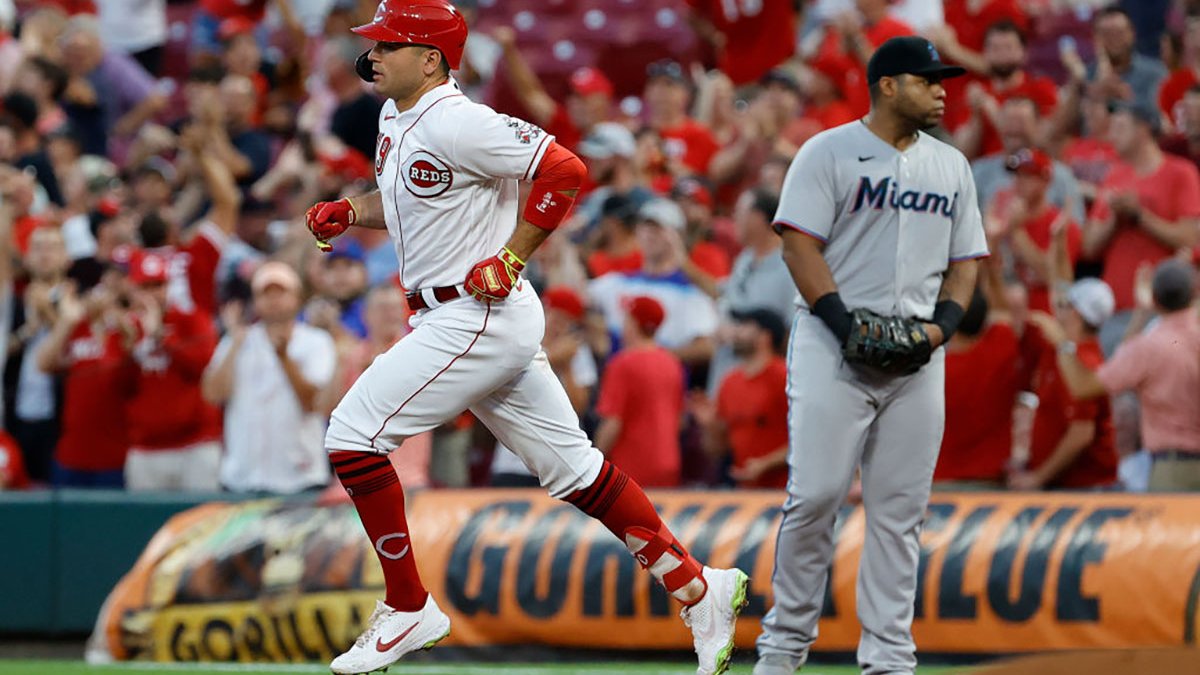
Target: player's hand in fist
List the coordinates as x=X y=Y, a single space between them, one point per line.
x=327 y=220
x=493 y=279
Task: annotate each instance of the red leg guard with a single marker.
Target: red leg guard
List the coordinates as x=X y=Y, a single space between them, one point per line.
x=619 y=502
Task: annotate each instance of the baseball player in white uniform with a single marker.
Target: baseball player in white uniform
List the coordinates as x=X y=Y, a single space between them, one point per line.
x=447 y=170
x=878 y=216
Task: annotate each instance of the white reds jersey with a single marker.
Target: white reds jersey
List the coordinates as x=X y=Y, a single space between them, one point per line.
x=448 y=169
x=892 y=221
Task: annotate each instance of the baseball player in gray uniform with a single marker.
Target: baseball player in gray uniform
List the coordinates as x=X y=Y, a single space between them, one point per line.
x=880 y=217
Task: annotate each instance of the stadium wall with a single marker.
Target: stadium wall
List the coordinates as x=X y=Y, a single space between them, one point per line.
x=276 y=580
x=267 y=581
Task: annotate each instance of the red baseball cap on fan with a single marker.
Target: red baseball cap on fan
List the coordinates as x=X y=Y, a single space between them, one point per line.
x=646 y=312
x=147 y=268
x=588 y=80
x=1030 y=161
x=566 y=300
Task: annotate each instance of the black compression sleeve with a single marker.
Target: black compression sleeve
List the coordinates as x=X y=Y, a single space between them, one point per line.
x=830 y=309
x=947 y=314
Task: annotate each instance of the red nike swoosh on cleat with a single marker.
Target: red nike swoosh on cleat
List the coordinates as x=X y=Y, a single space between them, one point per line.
x=381 y=646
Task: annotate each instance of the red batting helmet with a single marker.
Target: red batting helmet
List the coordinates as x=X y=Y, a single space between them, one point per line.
x=435 y=23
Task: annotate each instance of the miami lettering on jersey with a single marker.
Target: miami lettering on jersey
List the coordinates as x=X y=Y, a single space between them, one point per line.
x=878 y=194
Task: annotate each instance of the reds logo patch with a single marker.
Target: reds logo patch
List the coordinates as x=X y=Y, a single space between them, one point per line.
x=385 y=146
x=425 y=175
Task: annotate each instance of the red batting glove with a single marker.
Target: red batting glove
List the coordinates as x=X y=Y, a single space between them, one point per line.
x=327 y=220
x=493 y=279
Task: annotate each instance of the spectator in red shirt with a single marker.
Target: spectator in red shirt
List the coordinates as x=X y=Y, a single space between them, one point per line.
x=641 y=401
x=90 y=344
x=1022 y=220
x=1004 y=54
x=194 y=255
x=1159 y=365
x=708 y=248
x=750 y=418
x=1183 y=78
x=978 y=439
x=1147 y=209
x=1185 y=142
x=174 y=434
x=589 y=95
x=1018 y=131
x=750 y=38
x=853 y=36
x=1091 y=156
x=835 y=91
x=688 y=145
x=962 y=38
x=615 y=245
x=1072 y=442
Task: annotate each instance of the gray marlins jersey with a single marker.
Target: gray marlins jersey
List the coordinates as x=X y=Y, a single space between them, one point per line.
x=892 y=221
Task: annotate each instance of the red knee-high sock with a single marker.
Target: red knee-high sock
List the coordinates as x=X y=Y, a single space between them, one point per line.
x=373 y=485
x=619 y=502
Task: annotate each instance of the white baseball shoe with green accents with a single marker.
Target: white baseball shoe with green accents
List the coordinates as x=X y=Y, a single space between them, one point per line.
x=714 y=618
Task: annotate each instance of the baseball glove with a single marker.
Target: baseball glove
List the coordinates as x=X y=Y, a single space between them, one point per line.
x=887 y=343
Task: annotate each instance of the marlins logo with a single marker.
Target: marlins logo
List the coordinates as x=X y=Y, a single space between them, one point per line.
x=425 y=175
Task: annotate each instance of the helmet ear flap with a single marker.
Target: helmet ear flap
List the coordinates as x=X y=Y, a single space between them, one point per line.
x=362 y=66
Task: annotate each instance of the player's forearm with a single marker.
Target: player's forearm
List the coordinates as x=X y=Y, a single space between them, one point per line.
x=806 y=264
x=369 y=210
x=526 y=239
x=959 y=283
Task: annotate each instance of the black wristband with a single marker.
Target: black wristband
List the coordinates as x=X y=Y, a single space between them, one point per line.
x=830 y=309
x=947 y=314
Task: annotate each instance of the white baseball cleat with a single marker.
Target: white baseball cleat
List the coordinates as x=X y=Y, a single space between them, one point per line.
x=713 y=619
x=390 y=635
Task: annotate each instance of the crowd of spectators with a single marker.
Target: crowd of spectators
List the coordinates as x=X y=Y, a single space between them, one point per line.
x=168 y=323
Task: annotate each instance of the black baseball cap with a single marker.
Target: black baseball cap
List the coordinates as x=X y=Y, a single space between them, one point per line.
x=766 y=320
x=668 y=68
x=1146 y=114
x=909 y=55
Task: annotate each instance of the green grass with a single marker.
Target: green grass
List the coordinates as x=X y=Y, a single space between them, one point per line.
x=78 y=668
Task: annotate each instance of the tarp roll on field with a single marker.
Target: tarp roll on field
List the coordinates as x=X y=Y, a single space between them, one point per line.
x=275 y=581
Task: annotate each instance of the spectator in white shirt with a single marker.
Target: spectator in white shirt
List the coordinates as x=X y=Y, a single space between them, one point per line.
x=268 y=376
x=691 y=316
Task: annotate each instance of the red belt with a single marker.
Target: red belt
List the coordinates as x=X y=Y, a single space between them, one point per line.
x=441 y=294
